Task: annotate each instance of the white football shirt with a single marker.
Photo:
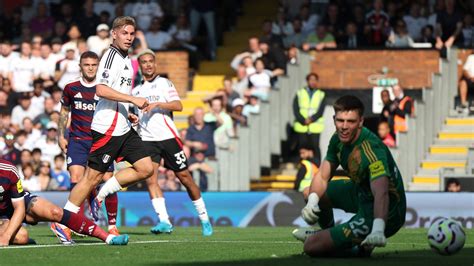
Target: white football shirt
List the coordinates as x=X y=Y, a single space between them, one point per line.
x=157 y=125
x=115 y=70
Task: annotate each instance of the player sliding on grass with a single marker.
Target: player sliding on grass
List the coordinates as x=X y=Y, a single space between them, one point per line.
x=112 y=135
x=159 y=133
x=374 y=192
x=18 y=206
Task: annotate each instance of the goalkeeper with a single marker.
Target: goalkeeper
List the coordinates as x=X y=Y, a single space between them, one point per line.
x=374 y=192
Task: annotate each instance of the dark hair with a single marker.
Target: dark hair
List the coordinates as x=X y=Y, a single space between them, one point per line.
x=452 y=181
x=312 y=74
x=36 y=150
x=88 y=54
x=349 y=103
x=59 y=156
x=37 y=81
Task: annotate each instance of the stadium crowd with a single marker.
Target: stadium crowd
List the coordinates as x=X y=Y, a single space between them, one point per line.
x=41 y=42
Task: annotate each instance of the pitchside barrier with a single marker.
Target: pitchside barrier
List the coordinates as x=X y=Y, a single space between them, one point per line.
x=242 y=209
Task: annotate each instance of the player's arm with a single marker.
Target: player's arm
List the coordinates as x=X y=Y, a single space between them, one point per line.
x=108 y=93
x=15 y=222
x=63 y=122
x=173 y=106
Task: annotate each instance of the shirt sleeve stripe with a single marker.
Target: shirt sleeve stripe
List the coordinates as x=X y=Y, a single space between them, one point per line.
x=369 y=152
x=110 y=58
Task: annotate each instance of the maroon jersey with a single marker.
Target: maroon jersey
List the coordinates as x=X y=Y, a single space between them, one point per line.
x=10 y=187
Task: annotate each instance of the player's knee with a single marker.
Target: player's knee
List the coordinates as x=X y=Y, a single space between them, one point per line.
x=56 y=214
x=21 y=238
x=185 y=177
x=145 y=171
x=312 y=249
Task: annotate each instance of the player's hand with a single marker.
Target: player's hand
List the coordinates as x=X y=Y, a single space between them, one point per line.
x=4 y=240
x=311 y=210
x=133 y=119
x=63 y=144
x=151 y=107
x=375 y=239
x=140 y=102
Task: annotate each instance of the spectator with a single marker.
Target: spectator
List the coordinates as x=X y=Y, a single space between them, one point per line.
x=32 y=134
x=42 y=23
x=319 y=40
x=38 y=96
x=385 y=134
x=198 y=163
x=273 y=40
x=101 y=41
x=67 y=69
x=309 y=21
x=427 y=35
x=22 y=110
x=46 y=64
x=335 y=24
x=399 y=37
x=59 y=33
x=6 y=57
x=171 y=183
x=44 y=177
x=296 y=38
x=453 y=185
x=238 y=118
x=102 y=7
x=308 y=109
x=12 y=96
x=415 y=22
x=30 y=181
x=259 y=82
x=252 y=106
x=104 y=17
x=378 y=22
x=351 y=40
x=4 y=107
x=182 y=38
x=466 y=85
x=36 y=159
x=308 y=167
x=74 y=35
x=224 y=126
x=43 y=119
x=468 y=31
x=89 y=20
x=145 y=11
x=200 y=135
x=230 y=93
x=49 y=144
x=448 y=26
x=60 y=175
x=293 y=56
x=27 y=11
x=10 y=153
x=21 y=141
x=241 y=84
x=386 y=114
x=281 y=26
x=22 y=70
x=273 y=58
x=253 y=53
x=204 y=9
x=403 y=106
x=358 y=16
x=66 y=15
x=25 y=160
x=156 y=38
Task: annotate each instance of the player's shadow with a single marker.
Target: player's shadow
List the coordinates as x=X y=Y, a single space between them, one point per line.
x=392 y=258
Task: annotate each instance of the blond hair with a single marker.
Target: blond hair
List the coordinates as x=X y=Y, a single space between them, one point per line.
x=123 y=21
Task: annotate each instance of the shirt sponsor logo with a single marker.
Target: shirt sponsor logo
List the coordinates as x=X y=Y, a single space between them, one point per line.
x=127 y=81
x=19 y=187
x=78 y=105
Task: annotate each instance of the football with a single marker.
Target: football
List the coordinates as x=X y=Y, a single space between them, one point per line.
x=446 y=237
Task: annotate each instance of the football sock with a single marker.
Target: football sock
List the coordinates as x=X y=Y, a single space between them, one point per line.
x=111 y=186
x=201 y=209
x=80 y=224
x=72 y=207
x=111 y=205
x=160 y=208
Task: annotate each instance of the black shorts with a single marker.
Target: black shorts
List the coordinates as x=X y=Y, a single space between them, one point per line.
x=106 y=149
x=171 y=151
x=470 y=87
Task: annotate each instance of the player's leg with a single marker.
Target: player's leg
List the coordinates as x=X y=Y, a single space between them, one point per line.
x=21 y=236
x=133 y=151
x=463 y=86
x=176 y=160
x=41 y=210
x=111 y=205
x=158 y=201
x=83 y=189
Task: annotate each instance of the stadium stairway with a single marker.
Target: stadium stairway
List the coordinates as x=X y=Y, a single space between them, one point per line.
x=279 y=179
x=211 y=73
x=450 y=149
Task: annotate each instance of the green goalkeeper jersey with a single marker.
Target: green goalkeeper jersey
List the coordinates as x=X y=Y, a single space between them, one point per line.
x=365 y=160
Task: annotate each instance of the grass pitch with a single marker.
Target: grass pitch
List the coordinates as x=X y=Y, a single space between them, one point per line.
x=228 y=246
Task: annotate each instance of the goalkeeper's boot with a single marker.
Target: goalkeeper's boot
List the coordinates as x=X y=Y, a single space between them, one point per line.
x=206 y=228
x=161 y=228
x=63 y=233
x=119 y=240
x=303 y=233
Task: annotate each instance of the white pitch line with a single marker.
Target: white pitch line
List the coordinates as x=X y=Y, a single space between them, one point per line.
x=195 y=241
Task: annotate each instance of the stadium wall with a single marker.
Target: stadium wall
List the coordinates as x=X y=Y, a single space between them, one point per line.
x=174 y=65
x=242 y=209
